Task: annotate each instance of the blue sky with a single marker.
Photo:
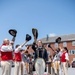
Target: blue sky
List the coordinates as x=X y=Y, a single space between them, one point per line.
x=48 y=16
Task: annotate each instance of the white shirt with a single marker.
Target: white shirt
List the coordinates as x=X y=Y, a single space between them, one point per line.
x=66 y=56
x=6 y=48
x=18 y=49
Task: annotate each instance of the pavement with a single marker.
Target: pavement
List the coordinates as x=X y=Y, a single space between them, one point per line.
x=71 y=71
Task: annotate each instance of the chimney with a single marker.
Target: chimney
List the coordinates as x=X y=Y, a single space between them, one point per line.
x=47 y=37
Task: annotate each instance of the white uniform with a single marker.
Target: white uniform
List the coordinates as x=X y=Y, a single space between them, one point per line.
x=56 y=62
x=25 y=62
x=40 y=66
x=6 y=59
x=18 y=60
x=64 y=62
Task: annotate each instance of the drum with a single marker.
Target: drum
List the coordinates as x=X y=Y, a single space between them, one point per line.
x=40 y=66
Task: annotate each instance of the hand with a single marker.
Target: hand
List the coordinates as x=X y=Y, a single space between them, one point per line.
x=11 y=42
x=27 y=47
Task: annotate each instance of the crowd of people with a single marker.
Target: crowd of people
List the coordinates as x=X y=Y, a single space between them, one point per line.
x=60 y=61
x=22 y=59
x=18 y=56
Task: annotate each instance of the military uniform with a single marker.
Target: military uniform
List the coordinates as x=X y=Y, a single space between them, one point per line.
x=64 y=63
x=40 y=58
x=6 y=59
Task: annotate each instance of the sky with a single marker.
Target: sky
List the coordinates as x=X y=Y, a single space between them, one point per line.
x=50 y=17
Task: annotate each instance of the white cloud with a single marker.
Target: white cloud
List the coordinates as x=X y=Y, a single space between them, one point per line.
x=52 y=34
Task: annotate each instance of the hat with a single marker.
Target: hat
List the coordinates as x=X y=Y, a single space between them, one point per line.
x=58 y=40
x=13 y=32
x=28 y=37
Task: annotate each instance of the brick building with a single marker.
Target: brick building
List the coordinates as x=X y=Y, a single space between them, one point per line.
x=66 y=41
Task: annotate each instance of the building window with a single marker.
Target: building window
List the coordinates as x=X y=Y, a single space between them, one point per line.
x=71 y=51
x=56 y=45
x=73 y=43
x=64 y=44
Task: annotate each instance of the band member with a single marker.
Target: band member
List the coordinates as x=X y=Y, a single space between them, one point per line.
x=40 y=52
x=56 y=61
x=65 y=60
x=6 y=57
x=25 y=62
x=18 y=58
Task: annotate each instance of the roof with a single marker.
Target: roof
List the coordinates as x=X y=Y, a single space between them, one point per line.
x=64 y=38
